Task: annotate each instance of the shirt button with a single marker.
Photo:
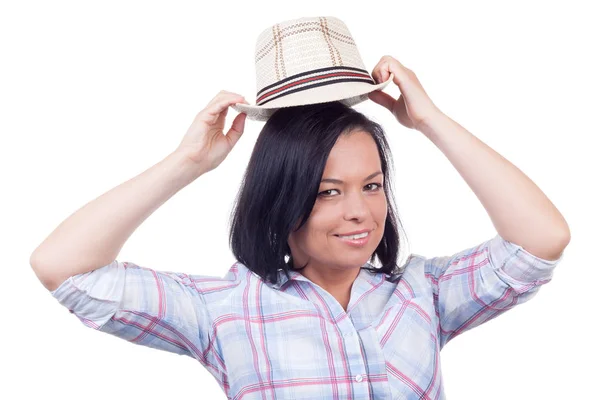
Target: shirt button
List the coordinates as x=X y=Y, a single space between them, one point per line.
x=349 y=333
x=358 y=378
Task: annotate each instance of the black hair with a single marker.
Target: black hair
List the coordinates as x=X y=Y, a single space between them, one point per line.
x=282 y=180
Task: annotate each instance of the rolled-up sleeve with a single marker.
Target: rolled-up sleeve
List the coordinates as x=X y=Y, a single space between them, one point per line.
x=482 y=282
x=162 y=310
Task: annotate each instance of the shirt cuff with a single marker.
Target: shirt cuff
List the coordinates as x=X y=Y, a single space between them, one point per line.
x=93 y=296
x=517 y=266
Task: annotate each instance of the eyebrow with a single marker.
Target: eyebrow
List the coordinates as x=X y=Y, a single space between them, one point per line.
x=340 y=182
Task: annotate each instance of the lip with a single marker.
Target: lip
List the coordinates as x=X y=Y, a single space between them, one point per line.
x=353 y=233
x=356 y=242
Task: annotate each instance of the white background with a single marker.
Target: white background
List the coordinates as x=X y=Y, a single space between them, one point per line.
x=94 y=93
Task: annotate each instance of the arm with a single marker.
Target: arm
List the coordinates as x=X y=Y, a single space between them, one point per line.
x=480 y=283
x=519 y=210
x=163 y=310
x=93 y=236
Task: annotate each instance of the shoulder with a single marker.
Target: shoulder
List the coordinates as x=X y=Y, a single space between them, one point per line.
x=215 y=288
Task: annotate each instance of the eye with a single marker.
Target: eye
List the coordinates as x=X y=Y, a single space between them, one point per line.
x=377 y=187
x=326 y=191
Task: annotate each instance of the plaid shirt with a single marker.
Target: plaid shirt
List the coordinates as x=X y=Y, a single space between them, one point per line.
x=293 y=340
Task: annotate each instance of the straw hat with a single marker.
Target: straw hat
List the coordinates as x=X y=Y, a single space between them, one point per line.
x=306 y=61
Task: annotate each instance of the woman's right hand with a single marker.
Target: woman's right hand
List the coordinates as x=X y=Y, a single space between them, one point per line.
x=204 y=142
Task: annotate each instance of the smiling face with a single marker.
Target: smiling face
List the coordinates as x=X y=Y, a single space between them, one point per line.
x=355 y=204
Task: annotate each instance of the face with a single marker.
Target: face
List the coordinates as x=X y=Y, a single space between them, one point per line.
x=354 y=204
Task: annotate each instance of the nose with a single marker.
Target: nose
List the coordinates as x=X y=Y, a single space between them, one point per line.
x=355 y=206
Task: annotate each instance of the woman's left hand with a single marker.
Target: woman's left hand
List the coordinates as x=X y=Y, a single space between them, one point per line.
x=414 y=107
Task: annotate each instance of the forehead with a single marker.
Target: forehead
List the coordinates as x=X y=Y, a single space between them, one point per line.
x=354 y=153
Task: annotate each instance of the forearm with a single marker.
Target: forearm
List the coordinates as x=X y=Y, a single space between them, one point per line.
x=93 y=235
x=519 y=210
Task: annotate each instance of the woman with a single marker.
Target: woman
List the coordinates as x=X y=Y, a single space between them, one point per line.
x=307 y=312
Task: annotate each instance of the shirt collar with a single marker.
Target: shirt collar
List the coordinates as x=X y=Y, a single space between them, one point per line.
x=364 y=275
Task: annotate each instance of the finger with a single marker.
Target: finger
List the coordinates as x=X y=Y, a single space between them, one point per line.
x=389 y=65
x=237 y=129
x=387 y=68
x=380 y=69
x=223 y=95
x=226 y=93
x=214 y=110
x=375 y=73
x=382 y=74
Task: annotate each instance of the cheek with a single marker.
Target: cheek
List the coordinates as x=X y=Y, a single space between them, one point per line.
x=316 y=234
x=382 y=210
x=324 y=221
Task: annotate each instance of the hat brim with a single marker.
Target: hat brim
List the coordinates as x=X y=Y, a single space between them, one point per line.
x=349 y=93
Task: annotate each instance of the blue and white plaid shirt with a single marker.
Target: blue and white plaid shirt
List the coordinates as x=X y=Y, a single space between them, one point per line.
x=294 y=340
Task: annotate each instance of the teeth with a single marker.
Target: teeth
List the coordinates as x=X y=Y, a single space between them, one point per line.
x=362 y=235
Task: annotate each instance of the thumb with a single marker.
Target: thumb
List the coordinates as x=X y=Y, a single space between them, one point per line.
x=237 y=129
x=383 y=99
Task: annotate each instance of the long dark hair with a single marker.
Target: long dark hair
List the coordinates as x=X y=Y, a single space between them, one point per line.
x=282 y=179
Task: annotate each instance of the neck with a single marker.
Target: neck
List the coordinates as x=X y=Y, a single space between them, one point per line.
x=336 y=282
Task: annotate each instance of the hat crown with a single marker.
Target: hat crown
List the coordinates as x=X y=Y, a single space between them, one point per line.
x=305 y=50
x=309 y=60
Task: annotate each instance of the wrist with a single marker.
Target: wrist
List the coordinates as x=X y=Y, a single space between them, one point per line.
x=187 y=169
x=428 y=126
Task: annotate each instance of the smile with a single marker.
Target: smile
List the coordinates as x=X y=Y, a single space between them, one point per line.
x=359 y=242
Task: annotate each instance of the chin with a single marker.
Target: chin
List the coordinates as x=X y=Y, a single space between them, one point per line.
x=355 y=262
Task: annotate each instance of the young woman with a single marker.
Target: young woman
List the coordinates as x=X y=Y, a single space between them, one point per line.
x=317 y=305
